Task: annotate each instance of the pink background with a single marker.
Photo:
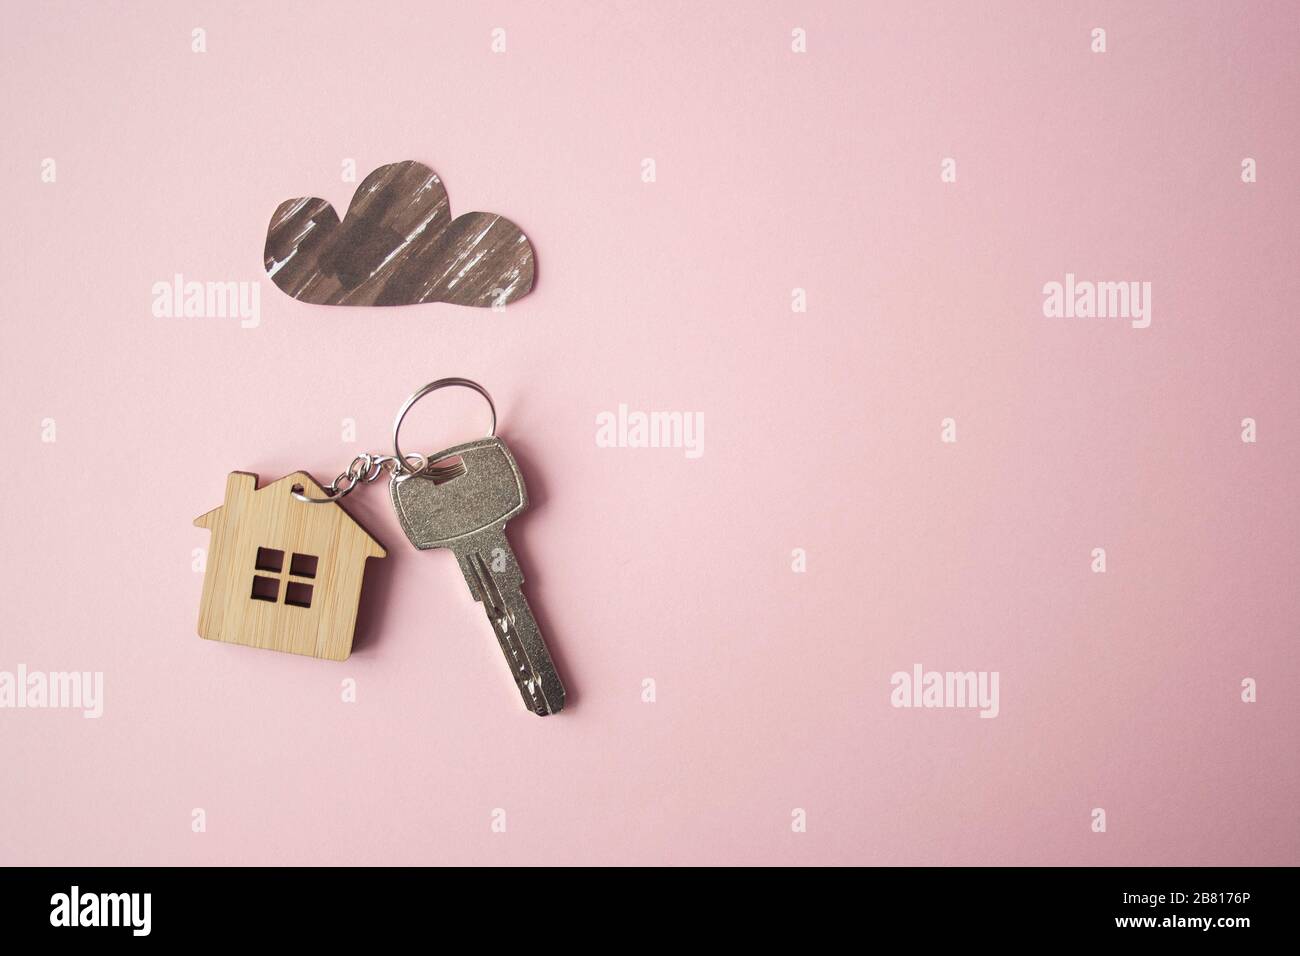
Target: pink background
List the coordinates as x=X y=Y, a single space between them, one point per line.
x=775 y=170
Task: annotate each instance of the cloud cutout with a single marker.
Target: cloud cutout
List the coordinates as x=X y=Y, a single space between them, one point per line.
x=397 y=245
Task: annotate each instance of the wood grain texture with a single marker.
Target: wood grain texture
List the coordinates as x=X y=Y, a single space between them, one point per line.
x=270 y=518
x=397 y=245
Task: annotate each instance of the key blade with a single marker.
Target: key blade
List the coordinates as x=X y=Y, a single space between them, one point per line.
x=494 y=579
x=489 y=492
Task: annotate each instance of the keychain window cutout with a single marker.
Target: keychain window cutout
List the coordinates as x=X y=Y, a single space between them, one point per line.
x=265 y=589
x=297 y=594
x=269 y=559
x=303 y=566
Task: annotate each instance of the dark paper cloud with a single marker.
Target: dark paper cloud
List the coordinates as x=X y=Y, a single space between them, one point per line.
x=397 y=245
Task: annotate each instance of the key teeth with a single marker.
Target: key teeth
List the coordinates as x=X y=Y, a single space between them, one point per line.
x=538 y=702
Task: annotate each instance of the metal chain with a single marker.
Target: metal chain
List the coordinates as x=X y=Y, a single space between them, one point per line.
x=368 y=467
x=365 y=468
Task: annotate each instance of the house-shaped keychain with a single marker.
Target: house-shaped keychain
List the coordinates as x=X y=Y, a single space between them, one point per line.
x=282 y=573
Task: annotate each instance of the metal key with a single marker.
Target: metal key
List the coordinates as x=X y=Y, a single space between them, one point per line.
x=468 y=514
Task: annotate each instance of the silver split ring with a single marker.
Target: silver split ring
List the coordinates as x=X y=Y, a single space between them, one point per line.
x=401 y=469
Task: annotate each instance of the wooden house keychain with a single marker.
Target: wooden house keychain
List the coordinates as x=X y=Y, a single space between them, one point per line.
x=287 y=561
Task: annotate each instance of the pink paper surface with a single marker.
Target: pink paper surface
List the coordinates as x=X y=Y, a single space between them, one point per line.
x=774 y=171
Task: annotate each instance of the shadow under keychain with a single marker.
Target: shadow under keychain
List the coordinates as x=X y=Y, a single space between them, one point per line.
x=287 y=561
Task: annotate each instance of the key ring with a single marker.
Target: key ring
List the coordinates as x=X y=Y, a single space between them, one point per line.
x=400 y=468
